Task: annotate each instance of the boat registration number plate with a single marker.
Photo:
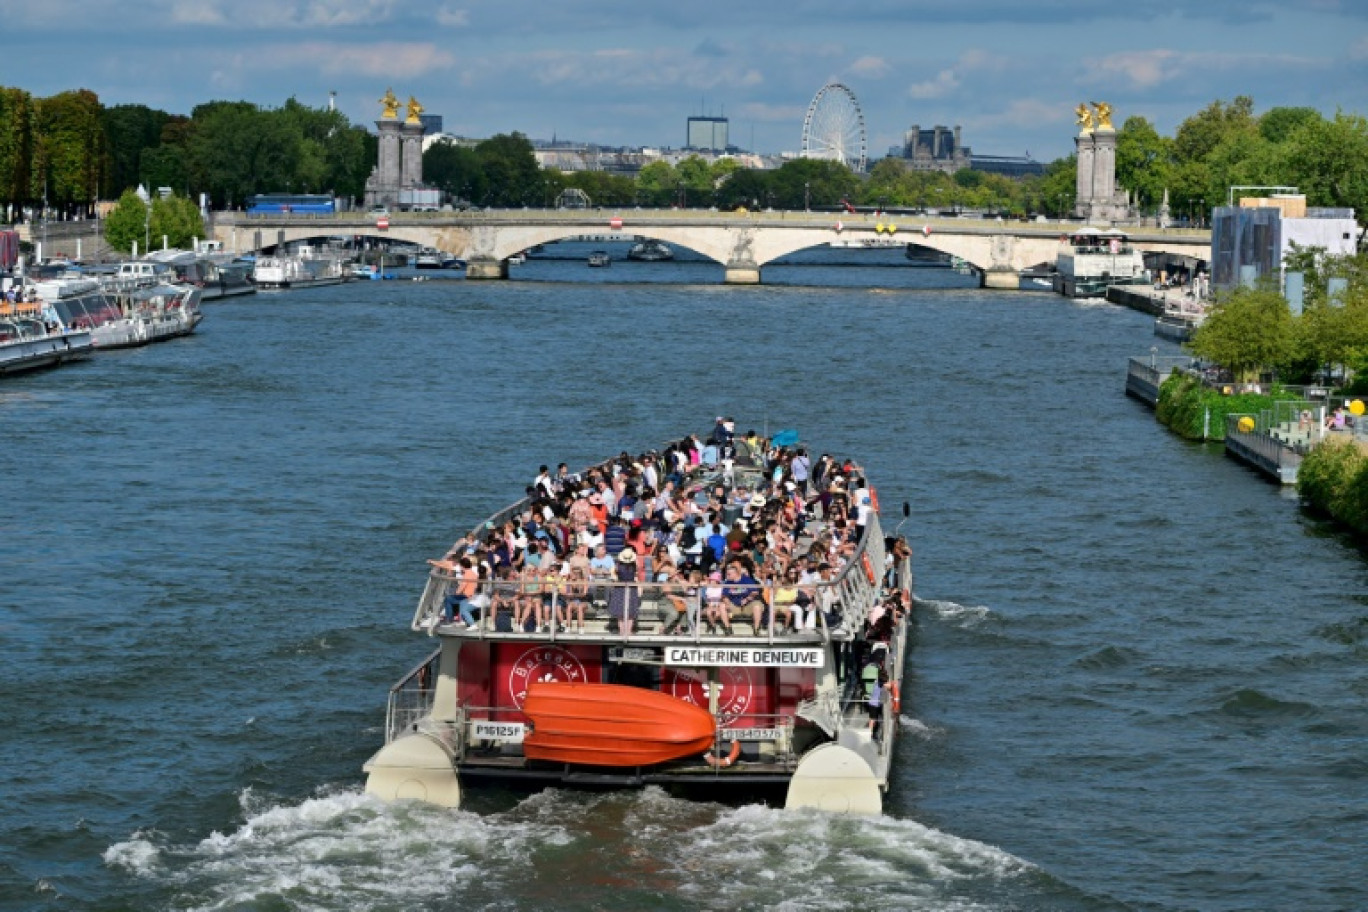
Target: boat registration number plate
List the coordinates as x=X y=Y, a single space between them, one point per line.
x=510 y=732
x=750 y=734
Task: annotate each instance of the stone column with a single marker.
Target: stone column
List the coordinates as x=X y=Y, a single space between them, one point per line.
x=1083 y=192
x=411 y=170
x=387 y=169
x=1104 y=174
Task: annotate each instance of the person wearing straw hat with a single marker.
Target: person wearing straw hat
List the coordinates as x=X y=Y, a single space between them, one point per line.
x=624 y=600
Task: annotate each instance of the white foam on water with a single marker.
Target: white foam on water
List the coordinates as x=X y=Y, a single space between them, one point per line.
x=347 y=850
x=964 y=615
x=917 y=728
x=139 y=855
x=759 y=856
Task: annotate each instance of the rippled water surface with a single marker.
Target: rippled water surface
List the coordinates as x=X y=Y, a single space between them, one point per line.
x=1138 y=682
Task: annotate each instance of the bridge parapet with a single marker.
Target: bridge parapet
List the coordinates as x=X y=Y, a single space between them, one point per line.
x=742 y=242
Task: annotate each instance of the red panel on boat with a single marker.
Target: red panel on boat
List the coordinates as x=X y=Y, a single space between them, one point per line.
x=473 y=675
x=611 y=725
x=746 y=699
x=518 y=664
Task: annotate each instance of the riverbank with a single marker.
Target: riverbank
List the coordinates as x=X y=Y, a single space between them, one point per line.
x=1334 y=480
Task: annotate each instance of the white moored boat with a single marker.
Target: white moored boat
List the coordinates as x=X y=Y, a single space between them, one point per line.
x=1093 y=259
x=612 y=681
x=28 y=341
x=305 y=269
x=125 y=318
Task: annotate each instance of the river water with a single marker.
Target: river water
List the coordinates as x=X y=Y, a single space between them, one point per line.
x=1138 y=680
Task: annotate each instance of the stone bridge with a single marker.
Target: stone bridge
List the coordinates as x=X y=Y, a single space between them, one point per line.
x=743 y=242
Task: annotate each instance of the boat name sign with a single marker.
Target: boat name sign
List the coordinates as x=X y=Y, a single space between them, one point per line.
x=510 y=732
x=746 y=656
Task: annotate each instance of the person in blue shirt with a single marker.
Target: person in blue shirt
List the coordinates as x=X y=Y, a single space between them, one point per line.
x=741 y=592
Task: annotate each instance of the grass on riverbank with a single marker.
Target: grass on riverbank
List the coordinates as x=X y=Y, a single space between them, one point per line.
x=1333 y=479
x=1185 y=404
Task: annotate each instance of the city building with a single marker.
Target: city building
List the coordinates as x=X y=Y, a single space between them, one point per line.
x=942 y=149
x=1250 y=241
x=707 y=134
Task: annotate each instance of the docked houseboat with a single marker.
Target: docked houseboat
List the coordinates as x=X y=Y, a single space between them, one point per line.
x=1092 y=259
x=136 y=315
x=306 y=269
x=28 y=341
x=620 y=682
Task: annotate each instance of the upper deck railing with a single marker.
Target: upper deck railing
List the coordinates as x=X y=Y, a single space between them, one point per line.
x=847 y=597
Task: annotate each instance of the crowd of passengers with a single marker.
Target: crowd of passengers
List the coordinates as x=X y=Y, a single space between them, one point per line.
x=719 y=553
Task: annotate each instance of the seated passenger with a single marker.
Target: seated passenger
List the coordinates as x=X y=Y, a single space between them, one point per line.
x=741 y=593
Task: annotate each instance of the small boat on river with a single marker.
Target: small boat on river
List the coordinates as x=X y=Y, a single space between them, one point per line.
x=600 y=258
x=684 y=661
x=650 y=251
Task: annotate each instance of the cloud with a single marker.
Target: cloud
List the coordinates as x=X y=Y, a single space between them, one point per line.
x=1143 y=69
x=390 y=59
x=870 y=67
x=452 y=17
x=945 y=82
x=767 y=113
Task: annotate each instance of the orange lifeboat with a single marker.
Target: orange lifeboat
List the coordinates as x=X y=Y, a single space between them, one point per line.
x=611 y=725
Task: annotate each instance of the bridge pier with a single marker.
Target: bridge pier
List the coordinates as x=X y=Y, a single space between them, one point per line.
x=748 y=274
x=1004 y=279
x=487 y=269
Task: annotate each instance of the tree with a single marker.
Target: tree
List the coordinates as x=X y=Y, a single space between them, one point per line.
x=813 y=182
x=454 y=169
x=1328 y=161
x=16 y=145
x=746 y=187
x=511 y=172
x=1276 y=125
x=1201 y=133
x=125 y=223
x=68 y=151
x=129 y=131
x=1247 y=330
x=177 y=219
x=1143 y=160
x=658 y=183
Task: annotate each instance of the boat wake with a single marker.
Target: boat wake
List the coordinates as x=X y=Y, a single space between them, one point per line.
x=965 y=616
x=347 y=850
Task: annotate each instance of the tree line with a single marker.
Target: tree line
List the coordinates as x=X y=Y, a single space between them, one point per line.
x=70 y=151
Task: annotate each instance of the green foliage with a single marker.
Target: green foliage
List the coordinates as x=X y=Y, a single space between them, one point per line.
x=1186 y=406
x=1246 y=331
x=69 y=152
x=512 y=177
x=177 y=219
x=130 y=130
x=125 y=223
x=1333 y=478
x=454 y=169
x=16 y=144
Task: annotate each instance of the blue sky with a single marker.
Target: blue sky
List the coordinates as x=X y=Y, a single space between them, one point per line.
x=1009 y=71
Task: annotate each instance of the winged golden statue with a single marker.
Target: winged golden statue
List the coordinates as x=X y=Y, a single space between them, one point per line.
x=1085 y=118
x=391 y=103
x=1103 y=115
x=414 y=109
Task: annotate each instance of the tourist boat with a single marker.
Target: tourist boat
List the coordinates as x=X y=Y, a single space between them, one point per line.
x=759 y=713
x=305 y=269
x=517 y=259
x=1092 y=259
x=650 y=251
x=137 y=315
x=600 y=258
x=29 y=342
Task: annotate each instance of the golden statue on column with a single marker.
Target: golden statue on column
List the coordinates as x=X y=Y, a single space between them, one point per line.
x=414 y=109
x=1104 y=112
x=391 y=104
x=1085 y=119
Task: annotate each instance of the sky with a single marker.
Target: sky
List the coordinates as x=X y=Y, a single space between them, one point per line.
x=1010 y=72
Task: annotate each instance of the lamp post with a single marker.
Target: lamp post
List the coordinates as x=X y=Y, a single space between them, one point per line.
x=1201 y=212
x=807 y=196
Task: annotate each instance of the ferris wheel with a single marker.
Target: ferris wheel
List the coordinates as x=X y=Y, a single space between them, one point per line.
x=834 y=127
